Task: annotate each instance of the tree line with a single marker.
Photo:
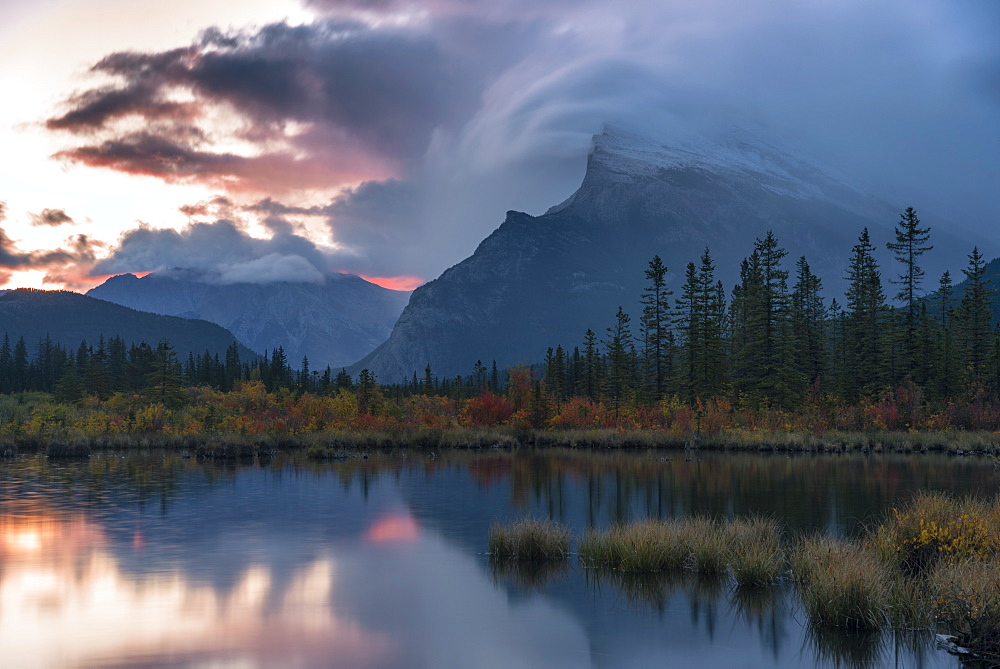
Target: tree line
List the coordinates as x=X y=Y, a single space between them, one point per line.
x=774 y=341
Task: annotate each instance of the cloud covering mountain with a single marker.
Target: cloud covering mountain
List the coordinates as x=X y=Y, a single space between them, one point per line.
x=416 y=124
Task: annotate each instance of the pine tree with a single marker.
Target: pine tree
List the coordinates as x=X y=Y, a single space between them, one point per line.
x=865 y=321
x=163 y=384
x=618 y=345
x=591 y=366
x=944 y=379
x=700 y=319
x=910 y=244
x=808 y=323
x=6 y=366
x=19 y=366
x=369 y=392
x=98 y=377
x=974 y=319
x=655 y=324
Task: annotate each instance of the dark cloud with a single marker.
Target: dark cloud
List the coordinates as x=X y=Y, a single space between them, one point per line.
x=51 y=217
x=450 y=112
x=322 y=104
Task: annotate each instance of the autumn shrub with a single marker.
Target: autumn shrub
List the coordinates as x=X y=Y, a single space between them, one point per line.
x=932 y=527
x=487 y=410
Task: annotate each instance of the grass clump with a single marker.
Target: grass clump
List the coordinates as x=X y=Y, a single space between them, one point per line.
x=755 y=550
x=529 y=539
x=708 y=543
x=842 y=584
x=643 y=546
x=966 y=605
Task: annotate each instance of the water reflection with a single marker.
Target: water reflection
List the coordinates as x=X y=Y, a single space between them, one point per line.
x=65 y=601
x=154 y=561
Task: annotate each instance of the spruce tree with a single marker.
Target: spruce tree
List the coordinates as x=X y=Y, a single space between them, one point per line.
x=865 y=321
x=808 y=324
x=974 y=321
x=620 y=353
x=655 y=325
x=910 y=244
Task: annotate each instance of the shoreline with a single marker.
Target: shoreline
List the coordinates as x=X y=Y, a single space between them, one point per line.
x=337 y=444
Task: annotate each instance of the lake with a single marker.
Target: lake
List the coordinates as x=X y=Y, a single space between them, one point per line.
x=153 y=560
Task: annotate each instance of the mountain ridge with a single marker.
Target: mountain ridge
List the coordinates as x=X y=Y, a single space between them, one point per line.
x=69 y=318
x=332 y=323
x=539 y=281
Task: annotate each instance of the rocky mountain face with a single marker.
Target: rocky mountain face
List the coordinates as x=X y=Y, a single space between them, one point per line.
x=69 y=318
x=332 y=323
x=539 y=281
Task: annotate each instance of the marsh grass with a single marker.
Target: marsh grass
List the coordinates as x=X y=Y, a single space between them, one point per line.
x=965 y=600
x=756 y=556
x=643 y=546
x=708 y=544
x=842 y=584
x=529 y=539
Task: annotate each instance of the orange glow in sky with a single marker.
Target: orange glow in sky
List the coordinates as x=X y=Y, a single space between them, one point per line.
x=395 y=282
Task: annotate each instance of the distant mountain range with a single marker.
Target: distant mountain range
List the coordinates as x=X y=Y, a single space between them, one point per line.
x=332 y=323
x=69 y=318
x=539 y=281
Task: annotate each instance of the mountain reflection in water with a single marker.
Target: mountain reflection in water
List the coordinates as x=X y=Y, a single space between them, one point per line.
x=151 y=560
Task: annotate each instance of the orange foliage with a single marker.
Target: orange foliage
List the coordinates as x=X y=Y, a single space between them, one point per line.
x=487 y=410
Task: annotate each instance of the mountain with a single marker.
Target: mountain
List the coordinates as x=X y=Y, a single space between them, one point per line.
x=539 y=281
x=333 y=323
x=69 y=318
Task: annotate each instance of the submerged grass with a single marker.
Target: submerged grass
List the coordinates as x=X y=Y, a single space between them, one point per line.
x=529 y=539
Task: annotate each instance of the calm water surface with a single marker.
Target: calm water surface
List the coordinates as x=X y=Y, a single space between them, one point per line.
x=156 y=561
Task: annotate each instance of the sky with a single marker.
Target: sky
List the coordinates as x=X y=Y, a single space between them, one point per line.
x=270 y=140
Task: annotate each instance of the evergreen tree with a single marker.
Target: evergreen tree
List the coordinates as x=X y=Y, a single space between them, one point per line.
x=619 y=348
x=164 y=381
x=945 y=361
x=910 y=244
x=865 y=321
x=98 y=377
x=655 y=325
x=6 y=366
x=591 y=381
x=808 y=322
x=974 y=319
x=19 y=366
x=700 y=318
x=369 y=393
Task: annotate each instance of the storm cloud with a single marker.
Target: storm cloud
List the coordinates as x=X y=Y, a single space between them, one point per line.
x=433 y=118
